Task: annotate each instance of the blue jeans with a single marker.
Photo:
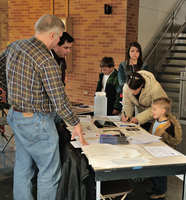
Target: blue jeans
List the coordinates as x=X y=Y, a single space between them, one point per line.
x=37 y=144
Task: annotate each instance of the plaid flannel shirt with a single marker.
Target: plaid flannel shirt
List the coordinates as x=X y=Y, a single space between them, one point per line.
x=34 y=79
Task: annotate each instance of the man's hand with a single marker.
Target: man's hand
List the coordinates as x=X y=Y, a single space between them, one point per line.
x=77 y=131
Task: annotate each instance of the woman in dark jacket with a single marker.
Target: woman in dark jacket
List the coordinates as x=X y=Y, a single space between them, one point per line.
x=133 y=63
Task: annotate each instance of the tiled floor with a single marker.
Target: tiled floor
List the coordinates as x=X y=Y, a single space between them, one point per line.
x=139 y=188
x=7 y=161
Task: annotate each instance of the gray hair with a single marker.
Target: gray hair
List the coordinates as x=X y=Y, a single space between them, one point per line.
x=49 y=22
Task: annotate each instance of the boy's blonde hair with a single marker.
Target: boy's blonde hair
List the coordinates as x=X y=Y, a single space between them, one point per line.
x=164 y=102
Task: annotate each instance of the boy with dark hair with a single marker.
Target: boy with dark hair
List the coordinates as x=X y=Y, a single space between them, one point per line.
x=166 y=126
x=108 y=83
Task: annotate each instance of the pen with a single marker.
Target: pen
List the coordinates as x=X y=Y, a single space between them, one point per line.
x=126 y=116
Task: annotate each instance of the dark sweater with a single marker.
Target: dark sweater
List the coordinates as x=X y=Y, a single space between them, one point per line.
x=111 y=90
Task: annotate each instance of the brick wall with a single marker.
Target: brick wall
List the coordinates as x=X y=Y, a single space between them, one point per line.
x=3 y=25
x=132 y=21
x=96 y=35
x=22 y=14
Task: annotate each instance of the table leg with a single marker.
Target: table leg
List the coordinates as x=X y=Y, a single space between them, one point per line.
x=184 y=188
x=98 y=190
x=7 y=142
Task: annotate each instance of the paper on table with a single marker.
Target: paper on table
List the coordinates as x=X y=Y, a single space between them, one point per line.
x=125 y=124
x=89 y=130
x=89 y=140
x=91 y=134
x=114 y=118
x=162 y=151
x=143 y=138
x=85 y=118
x=111 y=156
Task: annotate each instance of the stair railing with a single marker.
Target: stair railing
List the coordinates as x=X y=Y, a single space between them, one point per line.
x=160 y=43
x=160 y=62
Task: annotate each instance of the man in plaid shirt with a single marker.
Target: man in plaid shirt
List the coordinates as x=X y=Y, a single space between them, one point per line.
x=35 y=93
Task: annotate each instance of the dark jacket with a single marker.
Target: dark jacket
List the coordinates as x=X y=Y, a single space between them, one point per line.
x=62 y=63
x=77 y=180
x=113 y=97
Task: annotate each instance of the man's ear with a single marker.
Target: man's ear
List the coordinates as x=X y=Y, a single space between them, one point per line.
x=51 y=35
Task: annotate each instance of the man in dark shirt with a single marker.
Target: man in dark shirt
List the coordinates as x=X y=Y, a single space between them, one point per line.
x=62 y=50
x=35 y=93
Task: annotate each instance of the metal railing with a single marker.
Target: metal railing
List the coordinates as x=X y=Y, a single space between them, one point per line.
x=182 y=96
x=169 y=48
x=164 y=40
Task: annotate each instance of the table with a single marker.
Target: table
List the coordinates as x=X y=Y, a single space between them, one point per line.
x=172 y=165
x=80 y=108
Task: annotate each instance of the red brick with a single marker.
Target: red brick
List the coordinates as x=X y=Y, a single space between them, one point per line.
x=96 y=35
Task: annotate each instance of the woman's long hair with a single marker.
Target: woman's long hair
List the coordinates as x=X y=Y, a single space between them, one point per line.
x=140 y=60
